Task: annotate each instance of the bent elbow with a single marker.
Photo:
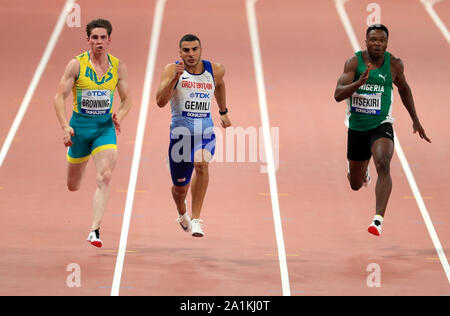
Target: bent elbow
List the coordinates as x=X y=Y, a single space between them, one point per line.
x=160 y=103
x=340 y=95
x=337 y=97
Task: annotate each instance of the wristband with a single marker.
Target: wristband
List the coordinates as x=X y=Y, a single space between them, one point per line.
x=224 y=112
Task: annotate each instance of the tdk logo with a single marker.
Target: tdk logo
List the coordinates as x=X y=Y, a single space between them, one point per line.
x=199 y=95
x=97 y=93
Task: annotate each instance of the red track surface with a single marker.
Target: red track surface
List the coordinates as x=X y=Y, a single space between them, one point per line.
x=43 y=226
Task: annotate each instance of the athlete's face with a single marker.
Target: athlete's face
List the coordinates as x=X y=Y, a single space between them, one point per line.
x=191 y=53
x=376 y=42
x=99 y=40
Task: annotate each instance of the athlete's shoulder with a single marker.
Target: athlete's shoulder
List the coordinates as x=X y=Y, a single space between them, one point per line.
x=395 y=60
x=396 y=63
x=218 y=66
x=171 y=65
x=170 y=68
x=82 y=56
x=218 y=69
x=351 y=64
x=168 y=71
x=73 y=61
x=113 y=60
x=122 y=70
x=72 y=68
x=352 y=59
x=359 y=55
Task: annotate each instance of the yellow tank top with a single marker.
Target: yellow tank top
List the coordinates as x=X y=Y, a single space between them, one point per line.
x=93 y=95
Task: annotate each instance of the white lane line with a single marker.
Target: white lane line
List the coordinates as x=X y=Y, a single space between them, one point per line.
x=428 y=4
x=257 y=62
x=412 y=183
x=154 y=40
x=35 y=80
x=423 y=209
x=346 y=22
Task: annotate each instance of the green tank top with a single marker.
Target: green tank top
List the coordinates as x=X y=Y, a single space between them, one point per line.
x=371 y=105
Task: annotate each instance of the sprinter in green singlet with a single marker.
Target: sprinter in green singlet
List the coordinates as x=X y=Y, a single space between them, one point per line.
x=366 y=84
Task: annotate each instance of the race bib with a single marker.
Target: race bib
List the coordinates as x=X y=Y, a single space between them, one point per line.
x=366 y=103
x=197 y=108
x=95 y=102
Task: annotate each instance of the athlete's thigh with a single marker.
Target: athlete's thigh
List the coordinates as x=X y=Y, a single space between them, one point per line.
x=202 y=155
x=180 y=162
x=204 y=148
x=358 y=145
x=382 y=142
x=105 y=160
x=104 y=148
x=80 y=151
x=382 y=148
x=358 y=153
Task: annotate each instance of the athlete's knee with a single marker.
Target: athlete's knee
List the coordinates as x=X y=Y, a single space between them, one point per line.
x=73 y=186
x=104 y=177
x=356 y=185
x=383 y=165
x=179 y=192
x=201 y=167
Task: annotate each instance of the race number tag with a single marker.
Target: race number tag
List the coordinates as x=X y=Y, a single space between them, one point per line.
x=95 y=102
x=366 y=103
x=197 y=107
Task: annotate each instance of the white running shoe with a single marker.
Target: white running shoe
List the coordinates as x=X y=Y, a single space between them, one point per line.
x=94 y=238
x=184 y=220
x=197 y=227
x=375 y=227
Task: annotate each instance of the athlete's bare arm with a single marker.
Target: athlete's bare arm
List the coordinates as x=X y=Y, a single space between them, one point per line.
x=345 y=85
x=64 y=88
x=125 y=98
x=398 y=77
x=219 y=92
x=169 y=79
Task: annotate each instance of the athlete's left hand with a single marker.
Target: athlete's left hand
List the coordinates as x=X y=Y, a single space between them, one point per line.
x=417 y=127
x=225 y=121
x=116 y=122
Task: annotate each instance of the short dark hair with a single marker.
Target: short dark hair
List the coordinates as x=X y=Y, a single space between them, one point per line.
x=99 y=23
x=190 y=38
x=377 y=27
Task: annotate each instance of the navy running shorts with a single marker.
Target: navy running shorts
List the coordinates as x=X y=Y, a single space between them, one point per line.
x=181 y=155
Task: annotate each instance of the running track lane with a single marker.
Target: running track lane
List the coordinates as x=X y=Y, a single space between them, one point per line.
x=237 y=256
x=17 y=70
x=43 y=226
x=331 y=254
x=425 y=55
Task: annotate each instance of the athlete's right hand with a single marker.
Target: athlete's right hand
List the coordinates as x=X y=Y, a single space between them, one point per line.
x=365 y=75
x=179 y=69
x=68 y=133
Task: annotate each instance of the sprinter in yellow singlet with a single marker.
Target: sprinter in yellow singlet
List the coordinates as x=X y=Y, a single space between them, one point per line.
x=93 y=77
